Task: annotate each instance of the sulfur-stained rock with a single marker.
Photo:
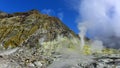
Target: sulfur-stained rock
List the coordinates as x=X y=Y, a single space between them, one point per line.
x=19 y=27
x=30 y=39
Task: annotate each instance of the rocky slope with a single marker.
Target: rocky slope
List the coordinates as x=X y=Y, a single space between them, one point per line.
x=19 y=28
x=34 y=40
x=30 y=39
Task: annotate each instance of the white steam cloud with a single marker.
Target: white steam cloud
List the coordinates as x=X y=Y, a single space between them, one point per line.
x=102 y=19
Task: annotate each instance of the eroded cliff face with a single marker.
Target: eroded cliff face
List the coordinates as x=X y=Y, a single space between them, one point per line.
x=21 y=27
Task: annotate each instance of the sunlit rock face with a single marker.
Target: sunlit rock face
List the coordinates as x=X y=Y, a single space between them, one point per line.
x=21 y=27
x=31 y=39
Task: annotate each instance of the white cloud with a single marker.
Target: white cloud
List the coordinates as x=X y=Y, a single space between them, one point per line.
x=51 y=12
x=48 y=11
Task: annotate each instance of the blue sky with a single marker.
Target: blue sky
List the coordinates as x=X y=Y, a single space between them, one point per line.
x=58 y=8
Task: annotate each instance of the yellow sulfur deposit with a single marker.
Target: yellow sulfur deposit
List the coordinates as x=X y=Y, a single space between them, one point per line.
x=87 y=50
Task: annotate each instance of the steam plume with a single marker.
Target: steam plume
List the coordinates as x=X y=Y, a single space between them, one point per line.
x=103 y=20
x=82 y=35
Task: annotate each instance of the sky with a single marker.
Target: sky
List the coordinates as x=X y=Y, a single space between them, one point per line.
x=58 y=8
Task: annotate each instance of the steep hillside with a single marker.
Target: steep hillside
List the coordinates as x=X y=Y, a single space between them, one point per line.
x=32 y=40
x=29 y=27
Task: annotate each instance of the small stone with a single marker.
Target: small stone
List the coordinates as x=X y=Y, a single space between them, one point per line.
x=30 y=65
x=38 y=64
